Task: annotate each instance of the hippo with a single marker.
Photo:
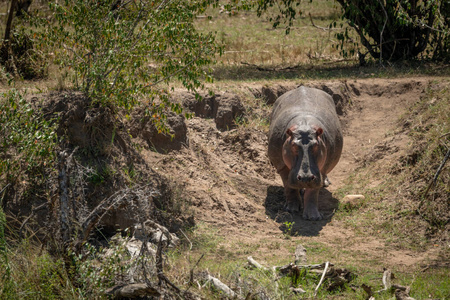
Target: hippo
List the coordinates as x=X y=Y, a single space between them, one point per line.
x=305 y=144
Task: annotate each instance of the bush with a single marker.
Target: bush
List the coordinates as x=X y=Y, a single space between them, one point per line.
x=399 y=29
x=122 y=52
x=27 y=148
x=390 y=30
x=21 y=58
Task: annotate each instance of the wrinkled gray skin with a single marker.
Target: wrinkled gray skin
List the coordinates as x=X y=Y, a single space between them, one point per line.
x=305 y=144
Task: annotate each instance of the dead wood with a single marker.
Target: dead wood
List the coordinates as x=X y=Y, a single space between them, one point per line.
x=133 y=290
x=191 y=275
x=159 y=268
x=286 y=268
x=125 y=196
x=156 y=232
x=322 y=278
x=387 y=276
x=219 y=285
x=65 y=165
x=368 y=290
x=401 y=287
x=402 y=295
x=298 y=291
x=255 y=264
x=300 y=254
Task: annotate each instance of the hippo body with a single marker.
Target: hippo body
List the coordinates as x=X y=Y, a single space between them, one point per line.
x=305 y=144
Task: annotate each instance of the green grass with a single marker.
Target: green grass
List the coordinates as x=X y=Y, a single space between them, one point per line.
x=29 y=272
x=234 y=272
x=249 y=39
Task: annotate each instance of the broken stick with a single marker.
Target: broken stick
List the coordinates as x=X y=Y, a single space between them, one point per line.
x=322 y=278
x=256 y=264
x=219 y=285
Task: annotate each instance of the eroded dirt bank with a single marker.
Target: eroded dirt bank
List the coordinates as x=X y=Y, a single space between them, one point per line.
x=223 y=172
x=234 y=188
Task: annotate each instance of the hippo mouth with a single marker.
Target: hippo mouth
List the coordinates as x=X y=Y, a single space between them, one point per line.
x=310 y=182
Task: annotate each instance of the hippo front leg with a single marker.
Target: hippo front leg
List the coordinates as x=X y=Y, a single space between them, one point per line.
x=292 y=195
x=310 y=205
x=292 y=200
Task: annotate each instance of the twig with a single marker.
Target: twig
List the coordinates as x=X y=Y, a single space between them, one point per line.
x=433 y=182
x=190 y=243
x=444 y=135
x=5 y=188
x=322 y=278
x=382 y=30
x=319 y=27
x=191 y=275
x=159 y=267
x=275 y=277
x=386 y=280
x=31 y=215
x=114 y=201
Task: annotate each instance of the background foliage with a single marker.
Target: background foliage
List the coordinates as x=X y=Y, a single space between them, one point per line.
x=125 y=52
x=390 y=31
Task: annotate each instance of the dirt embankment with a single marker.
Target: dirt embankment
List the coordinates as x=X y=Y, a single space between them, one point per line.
x=223 y=172
x=233 y=187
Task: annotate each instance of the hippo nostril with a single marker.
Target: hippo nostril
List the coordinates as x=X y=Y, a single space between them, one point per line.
x=306 y=178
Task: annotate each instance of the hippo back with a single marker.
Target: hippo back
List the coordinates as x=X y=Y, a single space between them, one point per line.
x=305 y=106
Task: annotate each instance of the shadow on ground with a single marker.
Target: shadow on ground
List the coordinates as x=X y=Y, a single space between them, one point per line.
x=324 y=70
x=294 y=224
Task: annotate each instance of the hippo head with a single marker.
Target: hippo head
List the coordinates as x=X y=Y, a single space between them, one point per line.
x=304 y=154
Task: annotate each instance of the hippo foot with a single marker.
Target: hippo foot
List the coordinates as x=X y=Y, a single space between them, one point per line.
x=312 y=215
x=292 y=207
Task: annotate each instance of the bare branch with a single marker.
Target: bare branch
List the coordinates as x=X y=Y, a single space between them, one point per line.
x=322 y=278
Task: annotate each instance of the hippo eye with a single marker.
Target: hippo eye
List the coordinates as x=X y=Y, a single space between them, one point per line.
x=295 y=149
x=315 y=147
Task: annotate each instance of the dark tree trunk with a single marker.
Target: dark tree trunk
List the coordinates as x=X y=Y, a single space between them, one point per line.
x=10 y=19
x=22 y=7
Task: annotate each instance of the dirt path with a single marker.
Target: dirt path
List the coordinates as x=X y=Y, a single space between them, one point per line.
x=237 y=195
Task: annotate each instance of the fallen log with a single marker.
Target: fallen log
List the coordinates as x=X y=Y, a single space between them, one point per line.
x=219 y=285
x=133 y=290
x=256 y=264
x=300 y=254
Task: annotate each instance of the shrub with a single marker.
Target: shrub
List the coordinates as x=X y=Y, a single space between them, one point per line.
x=27 y=146
x=125 y=52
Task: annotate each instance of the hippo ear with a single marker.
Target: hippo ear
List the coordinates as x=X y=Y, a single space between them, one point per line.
x=319 y=131
x=289 y=132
